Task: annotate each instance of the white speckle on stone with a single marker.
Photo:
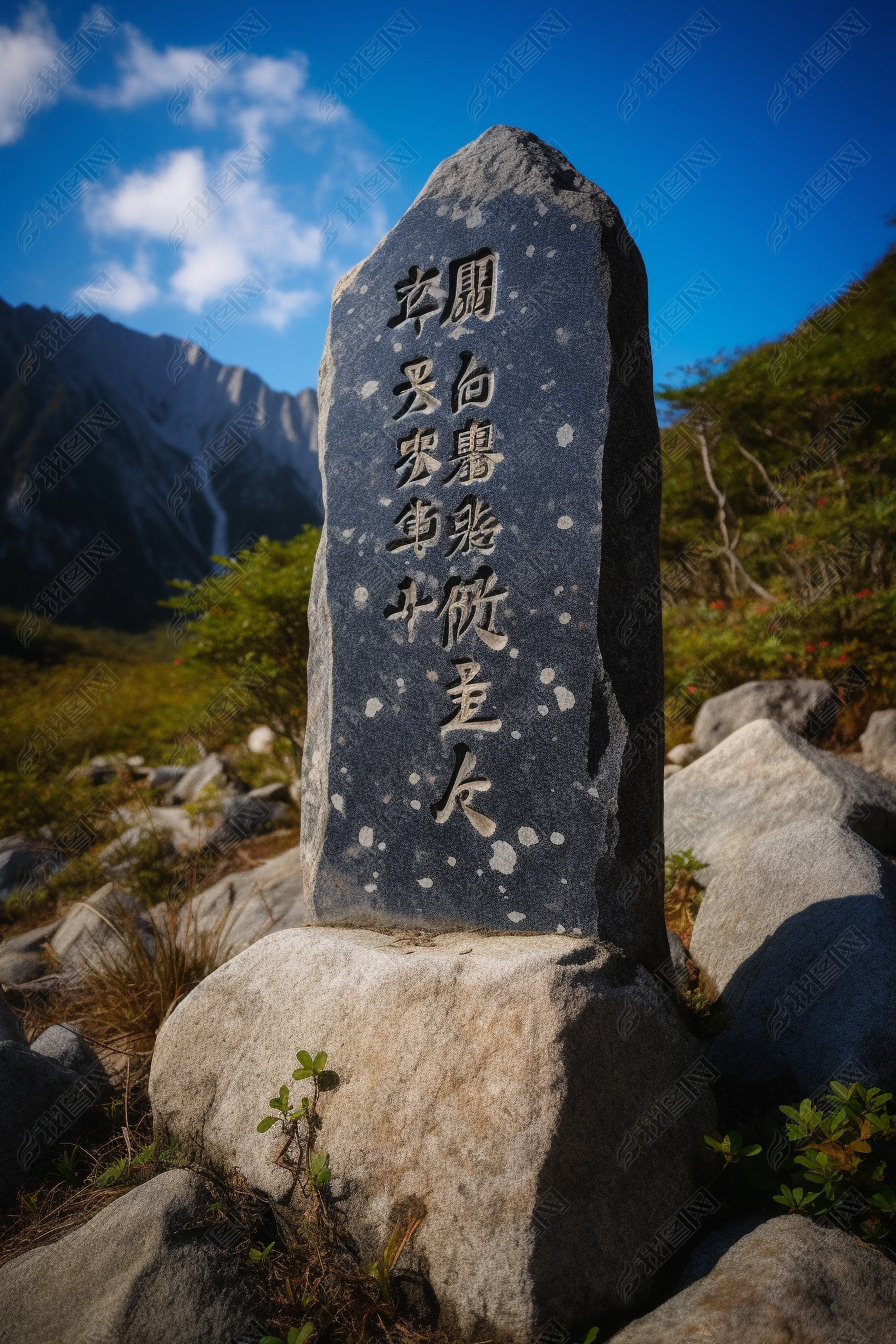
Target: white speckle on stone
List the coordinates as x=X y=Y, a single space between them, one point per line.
x=541 y=207
x=542 y=709
x=478 y=872
x=442 y=210
x=451 y=860
x=415 y=804
x=370 y=886
x=361 y=595
x=553 y=252
x=503 y=858
x=565 y=435
x=593 y=793
x=399 y=682
x=562 y=336
x=514 y=732
x=564 y=618
x=515 y=916
x=377 y=338
x=384 y=501
x=338 y=801
x=527 y=836
x=363 y=289
x=474 y=218
x=502 y=890
x=424 y=882
x=514 y=294
x=365 y=836
x=514 y=653
x=414 y=778
x=546 y=676
x=557 y=838
x=373 y=707
x=558 y=591
x=577 y=933
x=432 y=676
x=561 y=928
x=530 y=250
x=369 y=388
x=565 y=698
x=348 y=533
x=396 y=346
x=564 y=522
x=572 y=228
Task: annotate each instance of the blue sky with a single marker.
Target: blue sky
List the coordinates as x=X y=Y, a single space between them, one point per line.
x=179 y=148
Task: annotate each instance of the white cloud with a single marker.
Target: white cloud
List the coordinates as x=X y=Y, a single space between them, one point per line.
x=149 y=203
x=144 y=73
x=23 y=51
x=134 y=289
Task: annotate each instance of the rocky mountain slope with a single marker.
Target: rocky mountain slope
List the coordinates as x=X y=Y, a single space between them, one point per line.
x=150 y=446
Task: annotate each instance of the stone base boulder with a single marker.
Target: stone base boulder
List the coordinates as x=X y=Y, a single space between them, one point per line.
x=484 y=1086
x=135 y=1274
x=763 y=777
x=786 y=1282
x=798 y=933
x=796 y=703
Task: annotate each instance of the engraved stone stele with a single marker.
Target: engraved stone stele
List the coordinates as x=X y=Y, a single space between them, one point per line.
x=483 y=749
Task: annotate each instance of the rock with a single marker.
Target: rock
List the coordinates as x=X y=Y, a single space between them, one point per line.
x=24 y=865
x=246 y=906
x=98 y=770
x=488 y=749
x=878 y=743
x=162 y=775
x=261 y=740
x=42 y=1102
x=788 y=1281
x=510 y=1113
x=670 y=770
x=64 y=1043
x=798 y=933
x=136 y=762
x=684 y=753
x=90 y=934
x=136 y=1273
x=23 y=956
x=763 y=777
x=172 y=824
x=10 y=1026
x=797 y=703
x=212 y=772
x=271 y=793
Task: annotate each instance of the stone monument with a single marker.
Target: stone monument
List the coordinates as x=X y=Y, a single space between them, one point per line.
x=471 y=757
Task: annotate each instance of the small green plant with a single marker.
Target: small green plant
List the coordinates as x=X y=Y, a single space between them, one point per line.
x=682 y=895
x=257 y=1256
x=299 y=1123
x=66 y=1166
x=730 y=1146
x=299 y=1334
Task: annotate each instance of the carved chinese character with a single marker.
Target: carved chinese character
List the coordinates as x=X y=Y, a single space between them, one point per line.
x=416 y=298
x=472 y=288
x=470 y=605
x=418 y=388
x=473 y=527
x=421 y=524
x=468 y=696
x=409 y=606
x=416 y=456
x=474 y=454
x=461 y=791
x=474 y=384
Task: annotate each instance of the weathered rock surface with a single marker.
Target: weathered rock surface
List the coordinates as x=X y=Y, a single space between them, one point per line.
x=134 y=1274
x=798 y=933
x=63 y=1043
x=246 y=906
x=684 y=753
x=797 y=703
x=212 y=772
x=483 y=1083
x=878 y=743
x=763 y=777
x=23 y=957
x=161 y=775
x=91 y=933
x=24 y=864
x=530 y=316
x=787 y=1282
x=172 y=824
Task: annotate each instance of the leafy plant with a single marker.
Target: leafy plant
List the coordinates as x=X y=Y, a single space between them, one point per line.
x=298 y=1123
x=682 y=895
x=730 y=1146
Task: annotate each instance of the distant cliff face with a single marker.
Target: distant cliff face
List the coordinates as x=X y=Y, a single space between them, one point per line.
x=127 y=460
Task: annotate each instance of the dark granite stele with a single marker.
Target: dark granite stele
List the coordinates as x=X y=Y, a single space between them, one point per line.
x=476 y=753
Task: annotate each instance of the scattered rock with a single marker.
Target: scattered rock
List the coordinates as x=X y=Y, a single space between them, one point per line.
x=98 y=770
x=90 y=934
x=763 y=777
x=248 y=905
x=798 y=933
x=484 y=1111
x=244 y=817
x=684 y=753
x=23 y=956
x=788 y=1281
x=261 y=740
x=136 y=1273
x=162 y=775
x=65 y=1044
x=25 y=865
x=213 y=771
x=271 y=793
x=172 y=824
x=796 y=703
x=878 y=743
